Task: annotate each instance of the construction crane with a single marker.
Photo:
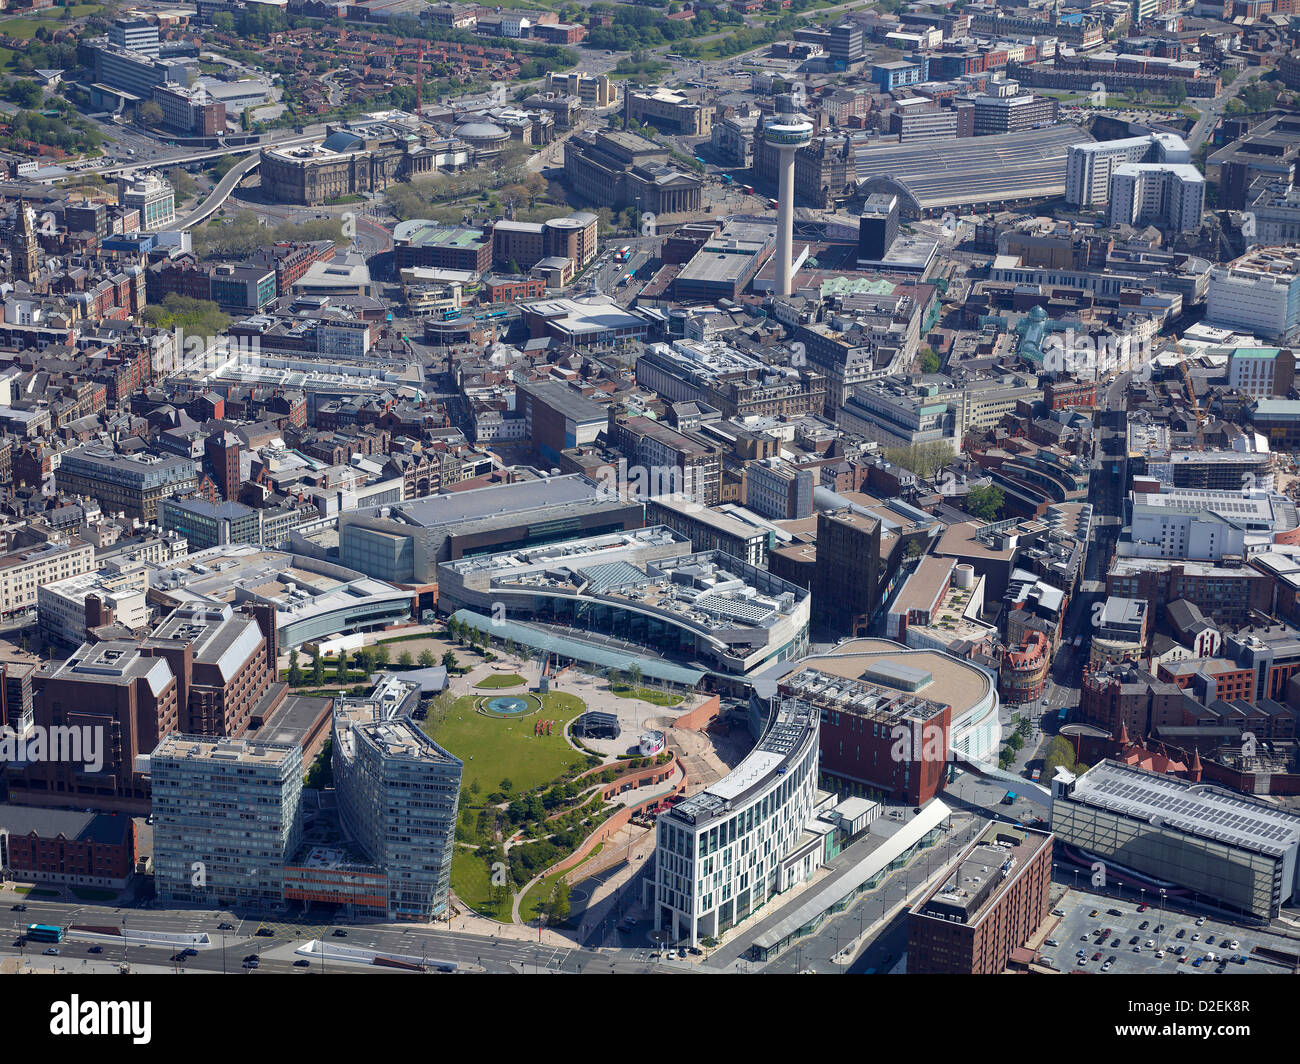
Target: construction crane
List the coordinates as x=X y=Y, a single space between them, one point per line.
x=419 y=74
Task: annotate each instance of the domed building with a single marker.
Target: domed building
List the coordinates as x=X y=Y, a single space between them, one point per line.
x=485 y=139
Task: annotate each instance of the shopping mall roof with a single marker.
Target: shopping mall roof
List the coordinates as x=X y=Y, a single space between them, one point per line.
x=587 y=653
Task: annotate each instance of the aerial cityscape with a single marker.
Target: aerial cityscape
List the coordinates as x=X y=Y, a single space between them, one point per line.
x=681 y=487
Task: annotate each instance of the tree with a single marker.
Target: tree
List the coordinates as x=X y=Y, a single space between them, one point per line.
x=295 y=671
x=149 y=113
x=557 y=906
x=382 y=655
x=317 y=668
x=365 y=662
x=428 y=661
x=930 y=362
x=635 y=674
x=985 y=501
x=449 y=661
x=405 y=660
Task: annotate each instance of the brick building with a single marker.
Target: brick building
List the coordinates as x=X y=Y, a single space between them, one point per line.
x=987 y=905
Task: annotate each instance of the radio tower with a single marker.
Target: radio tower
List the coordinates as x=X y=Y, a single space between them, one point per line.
x=787 y=131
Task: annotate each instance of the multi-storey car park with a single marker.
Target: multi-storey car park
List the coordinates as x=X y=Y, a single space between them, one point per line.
x=1189 y=838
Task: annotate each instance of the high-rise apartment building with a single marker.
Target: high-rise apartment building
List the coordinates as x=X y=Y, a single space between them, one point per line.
x=227 y=816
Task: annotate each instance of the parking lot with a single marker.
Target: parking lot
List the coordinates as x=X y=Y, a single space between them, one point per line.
x=1134 y=942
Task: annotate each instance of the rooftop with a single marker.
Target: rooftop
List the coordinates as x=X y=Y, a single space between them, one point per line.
x=1198 y=809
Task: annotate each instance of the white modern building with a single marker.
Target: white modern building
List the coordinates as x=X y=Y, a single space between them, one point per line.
x=1088 y=167
x=1258 y=293
x=1161 y=532
x=151 y=195
x=1262 y=372
x=721 y=854
x=120 y=588
x=135 y=35
x=1170 y=196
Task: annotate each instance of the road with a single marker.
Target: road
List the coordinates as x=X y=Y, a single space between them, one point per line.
x=470 y=952
x=1210 y=115
x=220 y=193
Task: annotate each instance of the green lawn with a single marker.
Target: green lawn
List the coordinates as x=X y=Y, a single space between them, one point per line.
x=647 y=694
x=501 y=679
x=472 y=883
x=37 y=892
x=534 y=898
x=494 y=748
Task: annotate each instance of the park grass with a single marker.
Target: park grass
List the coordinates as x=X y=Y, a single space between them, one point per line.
x=38 y=892
x=494 y=748
x=501 y=679
x=25 y=27
x=647 y=694
x=472 y=883
x=535 y=898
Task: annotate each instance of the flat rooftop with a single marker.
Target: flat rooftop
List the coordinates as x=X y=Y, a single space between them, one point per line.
x=983 y=873
x=221 y=750
x=496 y=500
x=1197 y=809
x=957 y=683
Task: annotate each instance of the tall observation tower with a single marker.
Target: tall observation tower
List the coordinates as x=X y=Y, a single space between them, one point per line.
x=787 y=131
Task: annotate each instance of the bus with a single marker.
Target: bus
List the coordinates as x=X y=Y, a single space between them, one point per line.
x=496 y=314
x=624 y=252
x=673 y=57
x=451 y=314
x=44 y=933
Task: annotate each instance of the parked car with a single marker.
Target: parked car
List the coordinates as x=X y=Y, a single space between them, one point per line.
x=1114 y=912
x=1051 y=942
